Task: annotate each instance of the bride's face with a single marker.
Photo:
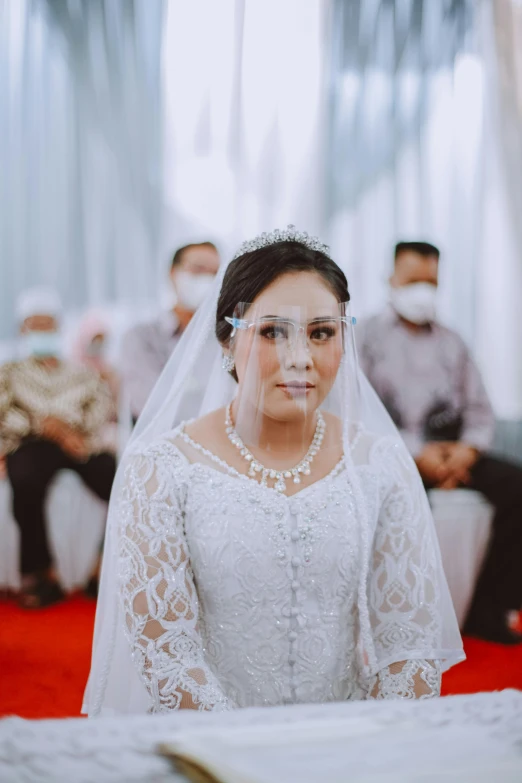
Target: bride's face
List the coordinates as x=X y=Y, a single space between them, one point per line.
x=288 y=358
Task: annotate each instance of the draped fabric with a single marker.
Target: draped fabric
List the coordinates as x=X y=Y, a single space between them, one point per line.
x=500 y=334
x=80 y=149
x=244 y=99
x=507 y=24
x=385 y=54
x=129 y=127
x=425 y=143
x=405 y=151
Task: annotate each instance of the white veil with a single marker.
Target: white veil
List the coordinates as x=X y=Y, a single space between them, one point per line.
x=194 y=383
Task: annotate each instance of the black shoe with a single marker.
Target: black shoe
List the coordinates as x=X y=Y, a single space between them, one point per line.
x=44 y=592
x=91 y=588
x=498 y=632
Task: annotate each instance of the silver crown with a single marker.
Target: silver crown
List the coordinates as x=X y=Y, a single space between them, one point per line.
x=289 y=234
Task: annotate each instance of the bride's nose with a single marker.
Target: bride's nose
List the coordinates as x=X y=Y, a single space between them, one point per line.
x=298 y=354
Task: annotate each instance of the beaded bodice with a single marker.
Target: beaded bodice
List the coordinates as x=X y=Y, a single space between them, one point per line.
x=236 y=595
x=277 y=580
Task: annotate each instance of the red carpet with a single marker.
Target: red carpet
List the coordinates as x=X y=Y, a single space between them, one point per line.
x=44 y=661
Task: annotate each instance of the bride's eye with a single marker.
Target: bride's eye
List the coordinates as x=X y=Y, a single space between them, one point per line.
x=322 y=334
x=274 y=332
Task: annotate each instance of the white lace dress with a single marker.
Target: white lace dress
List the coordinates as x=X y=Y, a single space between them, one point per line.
x=234 y=595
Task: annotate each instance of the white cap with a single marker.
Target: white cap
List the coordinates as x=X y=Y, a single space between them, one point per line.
x=42 y=300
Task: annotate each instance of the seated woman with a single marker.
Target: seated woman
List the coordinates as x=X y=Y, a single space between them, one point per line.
x=279 y=548
x=90 y=350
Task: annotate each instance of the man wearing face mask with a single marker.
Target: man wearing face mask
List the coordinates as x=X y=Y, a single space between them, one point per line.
x=51 y=412
x=147 y=347
x=430 y=385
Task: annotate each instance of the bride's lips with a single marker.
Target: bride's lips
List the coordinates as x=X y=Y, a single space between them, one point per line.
x=296 y=388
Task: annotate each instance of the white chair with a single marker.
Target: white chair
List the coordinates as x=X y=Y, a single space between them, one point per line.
x=76 y=520
x=463 y=523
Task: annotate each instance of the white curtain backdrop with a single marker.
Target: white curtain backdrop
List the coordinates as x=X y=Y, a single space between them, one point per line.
x=431 y=192
x=406 y=131
x=415 y=128
x=499 y=331
x=80 y=149
x=244 y=123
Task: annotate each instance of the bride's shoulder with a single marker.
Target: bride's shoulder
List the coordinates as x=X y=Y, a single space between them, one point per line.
x=366 y=445
x=357 y=433
x=171 y=445
x=385 y=453
x=162 y=450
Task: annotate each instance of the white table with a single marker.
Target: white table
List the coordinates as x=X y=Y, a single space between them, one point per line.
x=107 y=750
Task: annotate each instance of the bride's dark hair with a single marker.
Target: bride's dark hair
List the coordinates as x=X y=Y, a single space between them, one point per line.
x=248 y=275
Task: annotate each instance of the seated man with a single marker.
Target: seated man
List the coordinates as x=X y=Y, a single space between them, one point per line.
x=51 y=412
x=147 y=347
x=432 y=389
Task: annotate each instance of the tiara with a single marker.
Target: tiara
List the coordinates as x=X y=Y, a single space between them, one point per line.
x=289 y=234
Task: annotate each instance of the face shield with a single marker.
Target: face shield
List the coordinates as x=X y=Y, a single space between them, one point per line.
x=296 y=386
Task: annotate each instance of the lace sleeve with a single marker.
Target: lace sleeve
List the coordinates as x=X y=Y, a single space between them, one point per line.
x=406 y=680
x=404 y=587
x=159 y=599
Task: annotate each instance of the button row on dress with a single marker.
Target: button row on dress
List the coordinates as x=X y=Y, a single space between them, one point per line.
x=294 y=611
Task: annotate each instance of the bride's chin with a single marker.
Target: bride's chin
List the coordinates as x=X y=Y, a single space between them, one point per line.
x=292 y=409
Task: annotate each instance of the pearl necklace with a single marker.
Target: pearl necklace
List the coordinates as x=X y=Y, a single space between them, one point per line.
x=279 y=476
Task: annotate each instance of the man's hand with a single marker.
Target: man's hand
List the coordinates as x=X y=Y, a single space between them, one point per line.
x=460 y=458
x=3 y=468
x=446 y=465
x=431 y=463
x=69 y=439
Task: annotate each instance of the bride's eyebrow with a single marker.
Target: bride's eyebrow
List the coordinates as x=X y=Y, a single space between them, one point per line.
x=318 y=320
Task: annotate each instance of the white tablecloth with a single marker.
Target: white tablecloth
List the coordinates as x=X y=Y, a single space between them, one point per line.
x=124 y=749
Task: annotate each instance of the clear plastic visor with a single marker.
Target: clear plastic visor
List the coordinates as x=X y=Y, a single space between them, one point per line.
x=296 y=385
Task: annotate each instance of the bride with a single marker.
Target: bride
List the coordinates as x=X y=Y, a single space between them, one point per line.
x=278 y=547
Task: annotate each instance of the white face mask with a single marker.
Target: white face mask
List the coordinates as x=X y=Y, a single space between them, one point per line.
x=41 y=345
x=192 y=289
x=415 y=302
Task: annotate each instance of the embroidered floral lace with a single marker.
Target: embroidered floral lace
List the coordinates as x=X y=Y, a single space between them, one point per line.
x=235 y=595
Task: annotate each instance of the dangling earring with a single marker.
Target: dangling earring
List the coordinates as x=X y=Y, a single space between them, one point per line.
x=228 y=363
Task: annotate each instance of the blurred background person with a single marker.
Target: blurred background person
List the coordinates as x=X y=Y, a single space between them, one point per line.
x=147 y=347
x=51 y=412
x=431 y=386
x=90 y=349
